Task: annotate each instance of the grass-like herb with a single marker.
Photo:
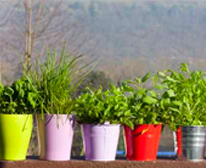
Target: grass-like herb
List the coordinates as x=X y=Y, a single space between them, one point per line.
x=57 y=80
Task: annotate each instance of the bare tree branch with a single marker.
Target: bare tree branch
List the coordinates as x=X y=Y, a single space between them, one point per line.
x=28 y=36
x=44 y=25
x=49 y=19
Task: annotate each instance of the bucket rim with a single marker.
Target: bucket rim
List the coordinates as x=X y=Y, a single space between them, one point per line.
x=2 y=114
x=99 y=125
x=194 y=126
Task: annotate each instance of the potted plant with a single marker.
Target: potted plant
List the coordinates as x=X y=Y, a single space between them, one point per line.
x=184 y=102
x=142 y=140
x=100 y=113
x=17 y=104
x=56 y=79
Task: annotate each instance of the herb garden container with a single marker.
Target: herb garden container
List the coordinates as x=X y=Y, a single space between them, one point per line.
x=100 y=113
x=100 y=141
x=57 y=80
x=142 y=143
x=193 y=143
x=142 y=137
x=184 y=102
x=15 y=134
x=55 y=136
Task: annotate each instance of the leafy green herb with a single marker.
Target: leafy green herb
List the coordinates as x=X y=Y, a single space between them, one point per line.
x=143 y=103
x=19 y=98
x=98 y=107
x=184 y=97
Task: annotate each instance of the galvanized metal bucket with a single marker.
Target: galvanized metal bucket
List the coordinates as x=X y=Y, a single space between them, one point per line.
x=193 y=143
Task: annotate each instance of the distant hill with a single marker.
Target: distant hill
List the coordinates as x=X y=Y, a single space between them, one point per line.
x=122 y=29
x=149 y=28
x=140 y=28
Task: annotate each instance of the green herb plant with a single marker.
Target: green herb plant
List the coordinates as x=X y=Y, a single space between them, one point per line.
x=98 y=107
x=184 y=97
x=143 y=103
x=19 y=98
x=56 y=80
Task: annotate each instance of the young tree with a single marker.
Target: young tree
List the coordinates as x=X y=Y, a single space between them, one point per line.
x=35 y=25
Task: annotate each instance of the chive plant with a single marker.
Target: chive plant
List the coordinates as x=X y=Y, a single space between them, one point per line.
x=57 y=79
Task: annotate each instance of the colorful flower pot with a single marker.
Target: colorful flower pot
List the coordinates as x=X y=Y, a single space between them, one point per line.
x=193 y=143
x=55 y=134
x=142 y=143
x=15 y=135
x=100 y=141
x=177 y=136
x=179 y=141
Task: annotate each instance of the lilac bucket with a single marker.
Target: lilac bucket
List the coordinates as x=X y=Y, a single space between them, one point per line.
x=55 y=136
x=100 y=141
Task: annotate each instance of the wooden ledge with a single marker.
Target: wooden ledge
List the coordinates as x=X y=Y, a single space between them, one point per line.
x=114 y=164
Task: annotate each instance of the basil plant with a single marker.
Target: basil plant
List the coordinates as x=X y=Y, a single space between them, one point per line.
x=184 y=97
x=19 y=98
x=98 y=107
x=143 y=103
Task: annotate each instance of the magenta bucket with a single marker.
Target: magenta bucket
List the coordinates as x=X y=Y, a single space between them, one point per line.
x=100 y=141
x=55 y=135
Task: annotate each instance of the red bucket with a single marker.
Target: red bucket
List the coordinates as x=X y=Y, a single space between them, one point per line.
x=179 y=142
x=142 y=143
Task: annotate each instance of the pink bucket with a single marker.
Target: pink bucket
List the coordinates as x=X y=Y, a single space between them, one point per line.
x=100 y=141
x=55 y=136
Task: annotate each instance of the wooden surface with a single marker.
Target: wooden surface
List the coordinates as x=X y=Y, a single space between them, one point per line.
x=114 y=164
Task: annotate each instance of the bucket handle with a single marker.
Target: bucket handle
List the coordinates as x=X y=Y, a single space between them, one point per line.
x=24 y=126
x=47 y=122
x=72 y=119
x=145 y=130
